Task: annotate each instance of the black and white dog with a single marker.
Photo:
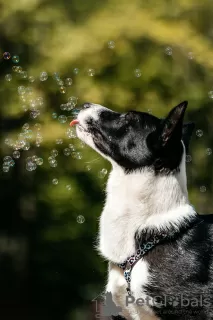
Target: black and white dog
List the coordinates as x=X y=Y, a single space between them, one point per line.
x=159 y=250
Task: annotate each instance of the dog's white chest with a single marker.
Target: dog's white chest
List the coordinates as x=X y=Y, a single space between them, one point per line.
x=134 y=307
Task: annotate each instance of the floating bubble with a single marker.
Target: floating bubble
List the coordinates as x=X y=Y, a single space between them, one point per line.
x=6 y=55
x=91 y=72
x=137 y=73
x=73 y=100
x=199 y=133
x=111 y=44
x=62 y=89
x=202 y=189
x=53 y=163
x=37 y=126
x=168 y=51
x=8 y=77
x=56 y=75
x=55 y=181
x=54 y=115
x=7 y=158
x=77 y=155
x=26 y=146
x=188 y=158
x=71 y=146
x=80 y=219
x=34 y=114
x=102 y=173
x=39 y=161
x=60 y=82
x=68 y=187
x=208 y=151
x=54 y=153
x=15 y=59
x=25 y=126
x=34 y=158
x=31 y=79
x=5 y=168
x=191 y=55
x=14 y=68
x=23 y=74
x=31 y=166
x=59 y=141
x=69 y=106
x=70 y=133
x=67 y=152
x=43 y=76
x=76 y=71
x=16 y=154
x=88 y=167
x=210 y=93
x=21 y=90
x=62 y=119
x=19 y=69
x=63 y=107
x=68 y=82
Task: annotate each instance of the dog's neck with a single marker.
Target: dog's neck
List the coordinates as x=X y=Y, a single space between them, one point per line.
x=140 y=200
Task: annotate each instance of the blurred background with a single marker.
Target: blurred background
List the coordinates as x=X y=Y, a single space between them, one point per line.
x=55 y=55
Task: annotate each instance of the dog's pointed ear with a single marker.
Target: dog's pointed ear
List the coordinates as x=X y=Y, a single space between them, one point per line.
x=172 y=126
x=170 y=129
x=187 y=131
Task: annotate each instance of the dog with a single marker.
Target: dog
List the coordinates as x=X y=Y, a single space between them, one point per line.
x=160 y=251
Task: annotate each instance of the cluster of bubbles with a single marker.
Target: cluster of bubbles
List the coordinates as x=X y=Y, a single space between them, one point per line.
x=32 y=162
x=55 y=182
x=52 y=158
x=8 y=162
x=169 y=52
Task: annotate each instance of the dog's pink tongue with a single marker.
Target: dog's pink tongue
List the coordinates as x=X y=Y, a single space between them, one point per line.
x=73 y=122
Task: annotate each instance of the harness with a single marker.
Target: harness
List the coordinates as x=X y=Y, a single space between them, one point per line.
x=148 y=241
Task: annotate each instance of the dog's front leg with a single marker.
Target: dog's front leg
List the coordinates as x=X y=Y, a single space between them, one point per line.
x=116 y=288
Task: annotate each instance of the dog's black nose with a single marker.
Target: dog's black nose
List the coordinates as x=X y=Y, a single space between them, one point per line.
x=86 y=105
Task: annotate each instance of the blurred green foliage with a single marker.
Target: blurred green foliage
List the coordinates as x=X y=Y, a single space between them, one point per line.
x=147 y=56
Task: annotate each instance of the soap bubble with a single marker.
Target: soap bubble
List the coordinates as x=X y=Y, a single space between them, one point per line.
x=70 y=133
x=191 y=55
x=71 y=146
x=67 y=152
x=76 y=70
x=80 y=219
x=210 y=93
x=55 y=181
x=23 y=74
x=102 y=173
x=5 y=168
x=188 y=158
x=111 y=44
x=7 y=158
x=62 y=119
x=56 y=76
x=59 y=141
x=54 y=115
x=26 y=146
x=37 y=126
x=15 y=59
x=16 y=154
x=62 y=89
x=68 y=187
x=63 y=107
x=8 y=77
x=68 y=82
x=77 y=155
x=168 y=51
x=31 y=166
x=137 y=73
x=202 y=189
x=199 y=133
x=88 y=167
x=43 y=76
x=91 y=72
x=21 y=90
x=39 y=161
x=25 y=126
x=53 y=163
x=54 y=153
x=208 y=151
x=6 y=55
x=73 y=100
x=31 y=79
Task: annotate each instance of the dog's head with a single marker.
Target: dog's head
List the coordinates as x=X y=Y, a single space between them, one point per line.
x=134 y=139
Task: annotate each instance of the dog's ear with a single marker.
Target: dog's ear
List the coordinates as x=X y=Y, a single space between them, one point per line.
x=172 y=126
x=170 y=129
x=187 y=131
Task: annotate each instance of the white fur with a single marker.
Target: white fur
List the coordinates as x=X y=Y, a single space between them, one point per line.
x=133 y=202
